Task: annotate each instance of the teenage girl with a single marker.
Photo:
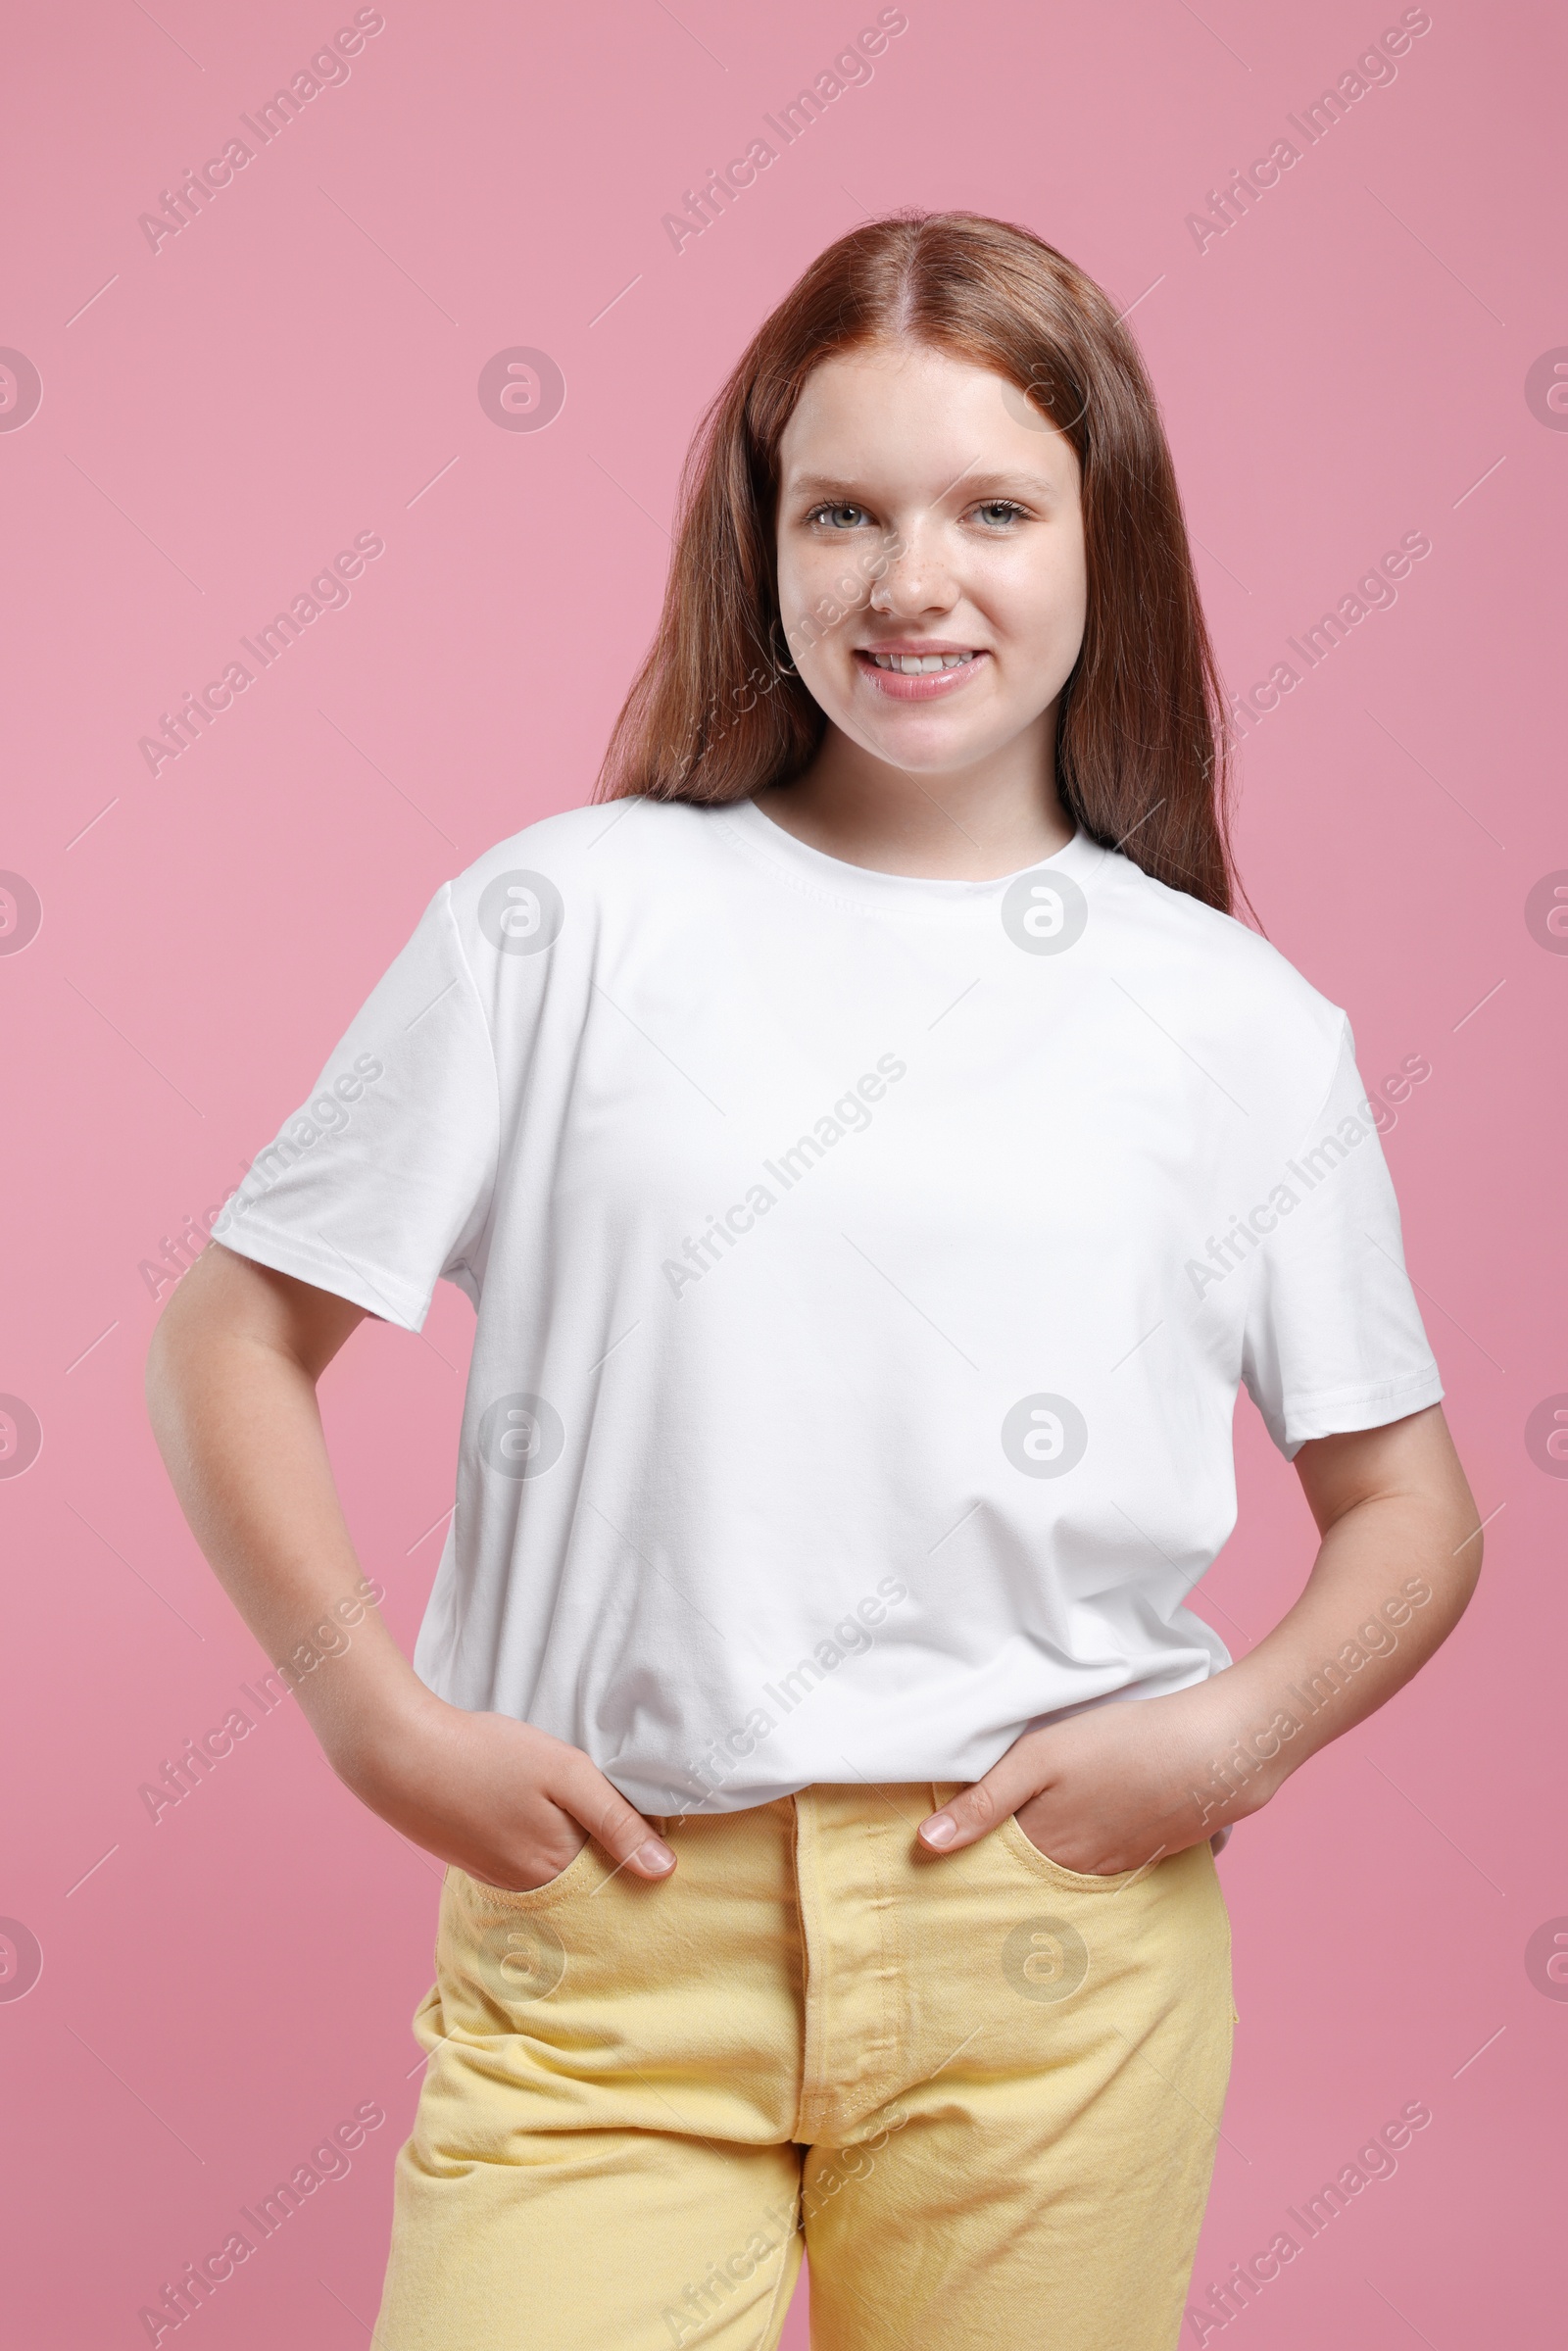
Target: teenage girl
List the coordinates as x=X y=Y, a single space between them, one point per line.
x=876 y=1154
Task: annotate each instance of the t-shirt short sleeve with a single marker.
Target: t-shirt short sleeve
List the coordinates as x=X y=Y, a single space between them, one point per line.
x=1334 y=1338
x=380 y=1183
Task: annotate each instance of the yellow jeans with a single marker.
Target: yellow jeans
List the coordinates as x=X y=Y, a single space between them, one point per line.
x=982 y=2091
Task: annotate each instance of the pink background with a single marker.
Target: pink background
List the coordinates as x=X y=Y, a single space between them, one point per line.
x=1344 y=365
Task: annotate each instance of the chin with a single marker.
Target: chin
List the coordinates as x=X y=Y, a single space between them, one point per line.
x=932 y=749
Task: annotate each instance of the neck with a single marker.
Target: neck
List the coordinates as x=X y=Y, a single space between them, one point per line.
x=963 y=824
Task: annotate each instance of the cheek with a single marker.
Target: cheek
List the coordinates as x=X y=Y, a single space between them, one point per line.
x=1037 y=604
x=1069 y=581
x=810 y=569
x=825 y=667
x=793 y=598
x=822 y=594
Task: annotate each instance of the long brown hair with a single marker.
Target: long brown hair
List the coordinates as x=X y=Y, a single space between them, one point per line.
x=717 y=710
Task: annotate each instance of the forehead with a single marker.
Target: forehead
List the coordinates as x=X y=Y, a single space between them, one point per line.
x=903 y=416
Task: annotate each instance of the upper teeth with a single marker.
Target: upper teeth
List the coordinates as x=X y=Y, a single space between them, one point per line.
x=913 y=665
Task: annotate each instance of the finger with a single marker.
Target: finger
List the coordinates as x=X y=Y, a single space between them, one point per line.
x=979 y=1809
x=601 y=1809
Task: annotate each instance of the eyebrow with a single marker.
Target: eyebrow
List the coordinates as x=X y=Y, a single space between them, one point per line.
x=820 y=485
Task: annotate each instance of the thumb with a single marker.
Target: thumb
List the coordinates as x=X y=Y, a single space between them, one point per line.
x=977 y=1810
x=626 y=1836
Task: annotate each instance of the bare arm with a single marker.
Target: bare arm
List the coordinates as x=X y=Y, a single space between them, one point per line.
x=1399 y=1553
x=231 y=1391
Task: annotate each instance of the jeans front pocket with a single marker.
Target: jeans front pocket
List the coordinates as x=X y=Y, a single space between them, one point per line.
x=1057 y=1872
x=509 y=1947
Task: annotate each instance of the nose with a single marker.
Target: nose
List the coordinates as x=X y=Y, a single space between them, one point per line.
x=916 y=579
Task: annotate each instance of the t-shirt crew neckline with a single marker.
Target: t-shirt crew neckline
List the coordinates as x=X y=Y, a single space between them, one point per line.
x=824 y=877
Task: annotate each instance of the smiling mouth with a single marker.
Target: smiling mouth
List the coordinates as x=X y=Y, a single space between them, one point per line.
x=919 y=676
x=919 y=664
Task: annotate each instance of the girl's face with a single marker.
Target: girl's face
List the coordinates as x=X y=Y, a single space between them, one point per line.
x=930 y=556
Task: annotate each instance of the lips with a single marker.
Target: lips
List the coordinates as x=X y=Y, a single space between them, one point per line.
x=914 y=664
x=917 y=670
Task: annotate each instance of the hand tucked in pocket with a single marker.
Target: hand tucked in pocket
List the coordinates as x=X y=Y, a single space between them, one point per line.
x=1112 y=1789
x=509 y=1804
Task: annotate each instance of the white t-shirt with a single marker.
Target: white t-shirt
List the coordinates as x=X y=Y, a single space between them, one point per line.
x=865 y=1267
